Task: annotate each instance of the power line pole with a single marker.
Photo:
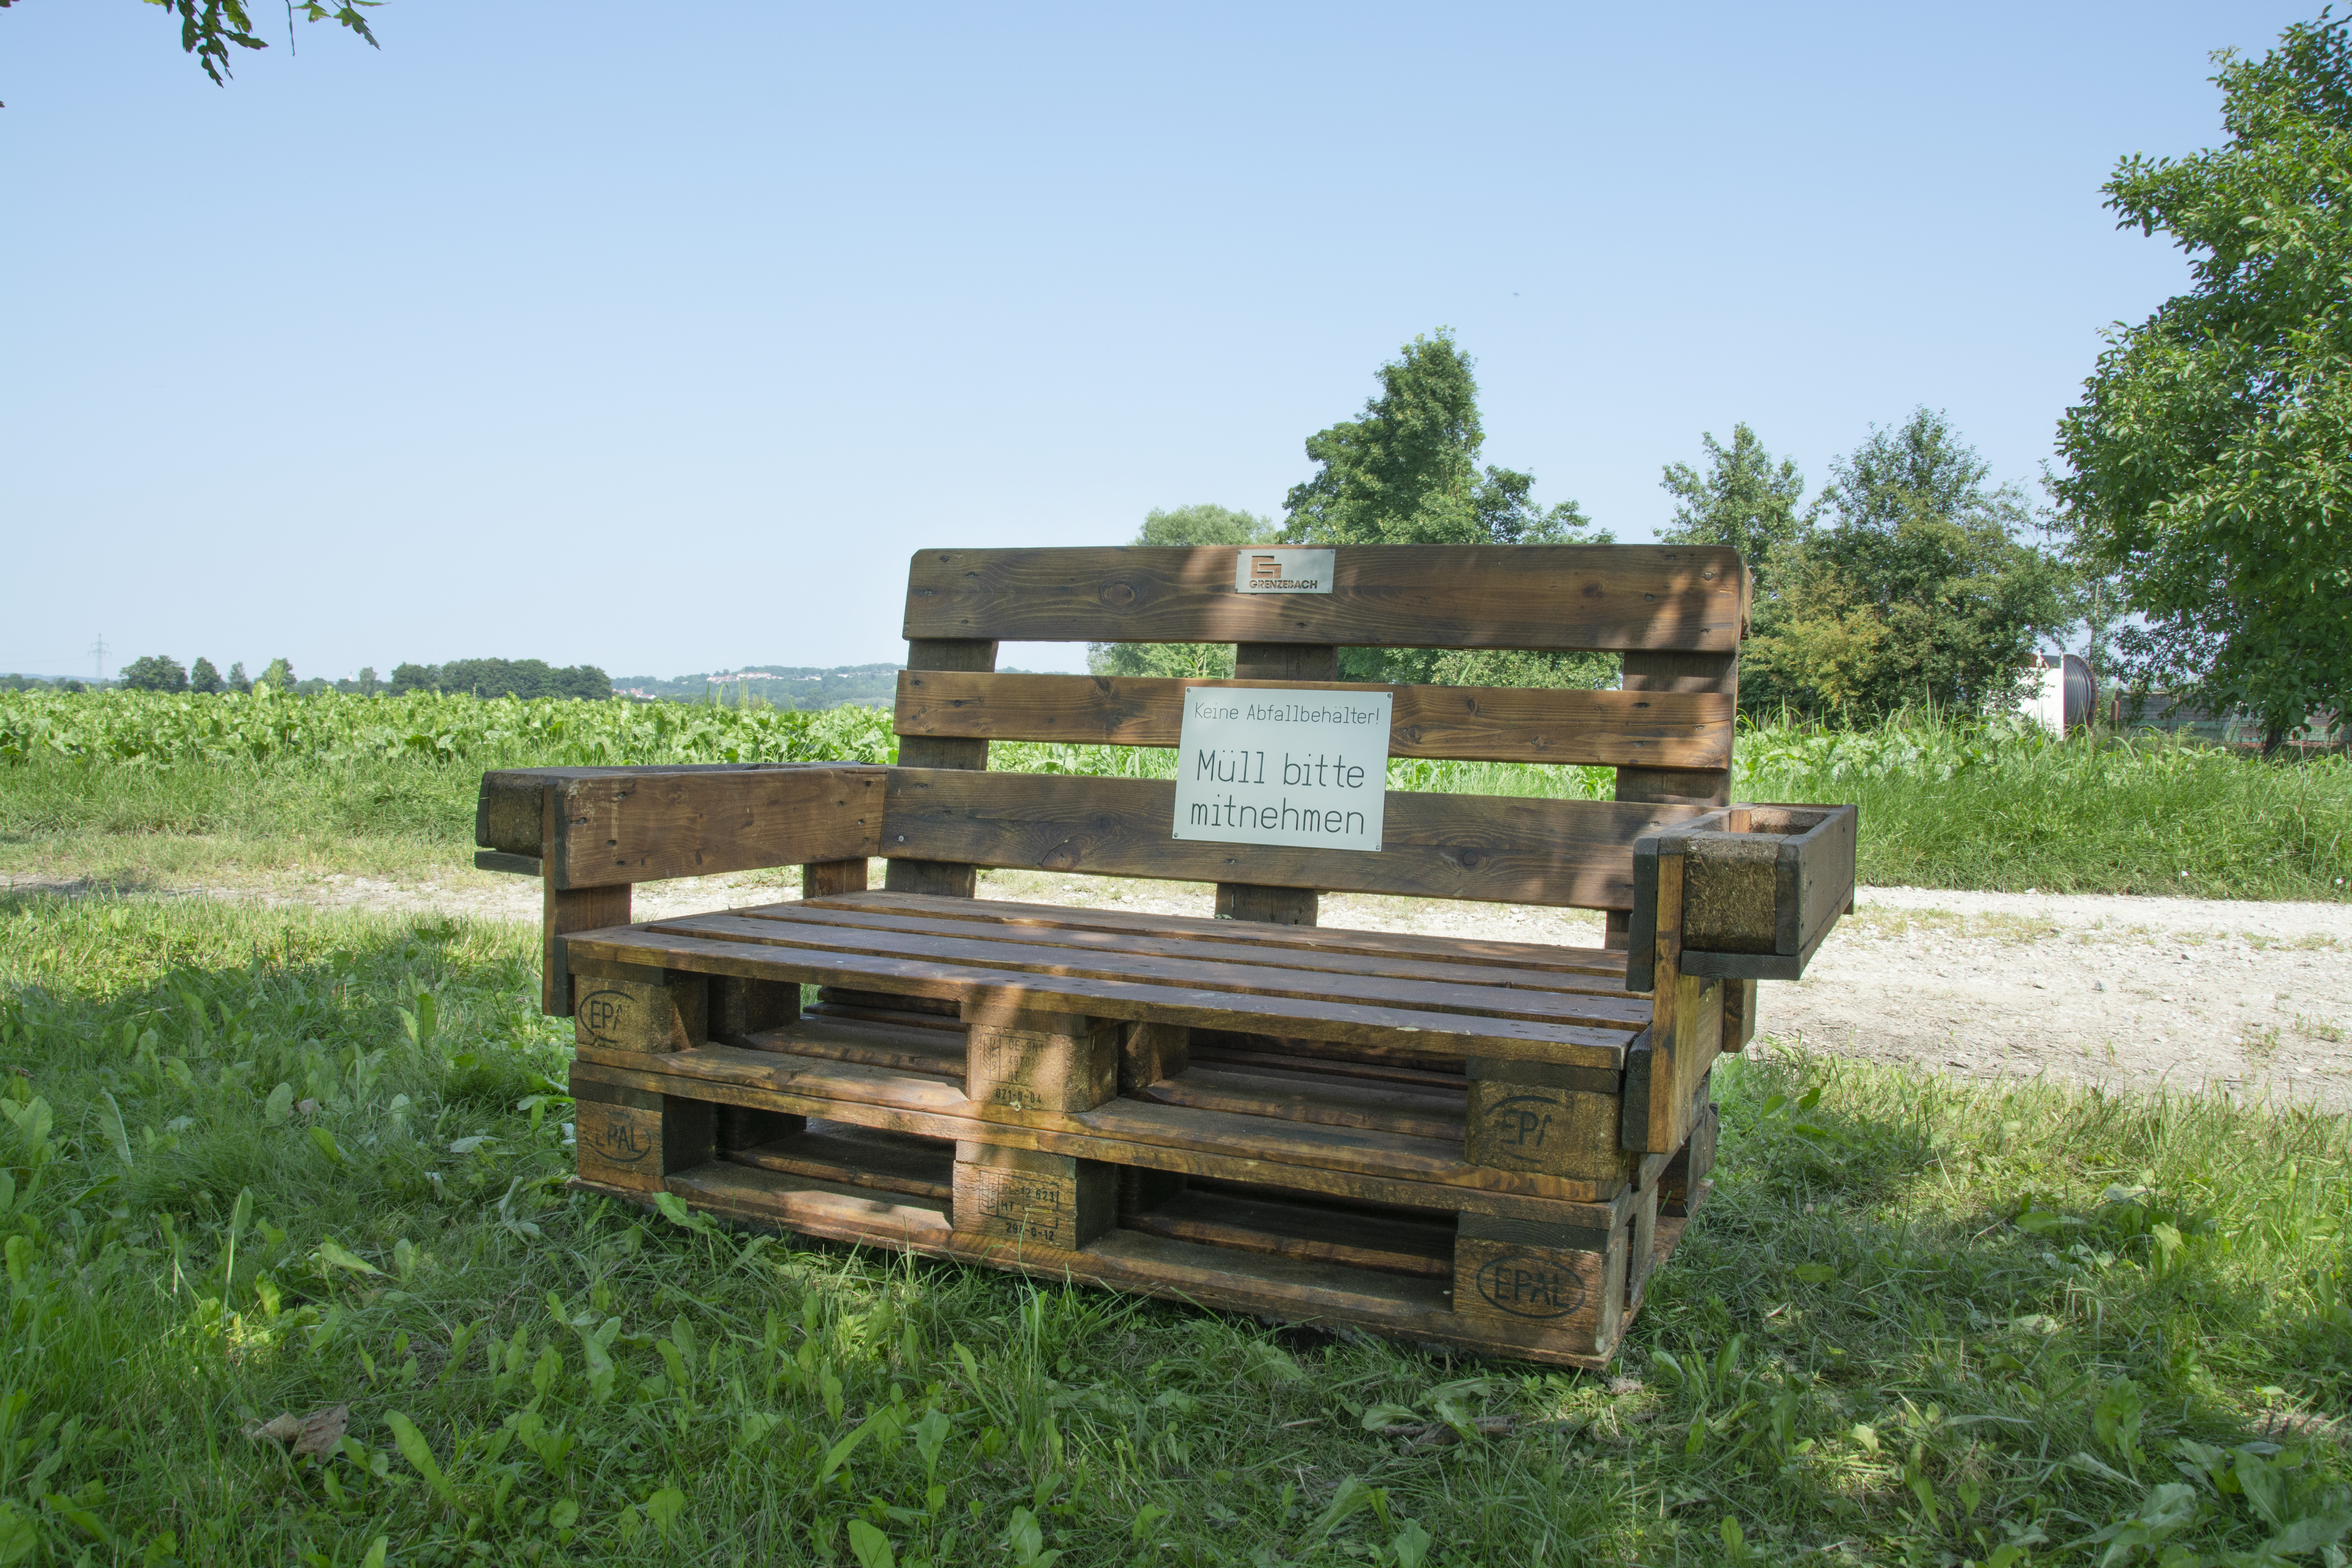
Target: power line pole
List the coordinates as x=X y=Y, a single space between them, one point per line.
x=97 y=658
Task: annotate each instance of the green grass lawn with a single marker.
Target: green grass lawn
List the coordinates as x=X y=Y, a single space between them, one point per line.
x=269 y=1162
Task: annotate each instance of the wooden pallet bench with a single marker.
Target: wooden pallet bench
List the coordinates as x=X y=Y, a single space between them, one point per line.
x=1483 y=1144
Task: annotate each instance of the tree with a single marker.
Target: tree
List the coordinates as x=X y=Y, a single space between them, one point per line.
x=237 y=680
x=1919 y=591
x=207 y=27
x=1742 y=500
x=1201 y=524
x=279 y=676
x=2209 y=457
x=202 y=677
x=1407 y=472
x=156 y=672
x=368 y=682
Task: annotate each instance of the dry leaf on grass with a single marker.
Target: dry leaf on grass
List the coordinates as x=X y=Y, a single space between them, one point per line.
x=314 y=1436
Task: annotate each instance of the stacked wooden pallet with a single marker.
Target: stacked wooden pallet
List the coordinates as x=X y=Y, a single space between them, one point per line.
x=1432 y=1147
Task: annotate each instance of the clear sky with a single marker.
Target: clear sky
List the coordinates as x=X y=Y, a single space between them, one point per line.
x=658 y=337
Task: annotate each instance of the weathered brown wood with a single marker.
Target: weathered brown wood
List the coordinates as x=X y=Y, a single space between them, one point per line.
x=1175 y=942
x=830 y=878
x=901 y=1048
x=1274 y=1223
x=1415 y=1030
x=509 y=865
x=508 y=814
x=639 y=1007
x=1500 y=724
x=1692 y=1165
x=1641 y=1246
x=1579 y=1295
x=1468 y=596
x=608 y=827
x=1025 y=1197
x=562 y=913
x=1738 y=1014
x=792 y=926
x=1149 y=1052
x=1507 y=849
x=741 y=1127
x=1340 y=1162
x=1519 y=1125
x=1711 y=673
x=1303 y=1096
x=740 y=1008
x=1299 y=1289
x=857 y=1157
x=1522 y=957
x=627 y=1137
x=1421 y=1034
x=945 y=876
x=1041 y=1061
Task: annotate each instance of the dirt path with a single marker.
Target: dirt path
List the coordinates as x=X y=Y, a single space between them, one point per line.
x=2251 y=998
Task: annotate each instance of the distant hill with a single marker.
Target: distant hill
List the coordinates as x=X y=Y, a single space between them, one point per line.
x=781 y=685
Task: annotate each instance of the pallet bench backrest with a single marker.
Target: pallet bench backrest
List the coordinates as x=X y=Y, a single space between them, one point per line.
x=1676 y=614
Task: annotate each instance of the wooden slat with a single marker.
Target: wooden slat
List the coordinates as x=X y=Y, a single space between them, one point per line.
x=1351 y=1163
x=613 y=827
x=1571 y=1045
x=1270 y=1221
x=1298 y=1097
x=1534 y=956
x=507 y=814
x=858 y=1157
x=1478 y=724
x=1295 y=1289
x=1507 y=849
x=1185 y=944
x=796 y=932
x=1605 y=597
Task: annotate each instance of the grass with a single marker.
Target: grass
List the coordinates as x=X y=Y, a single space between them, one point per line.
x=260 y=1161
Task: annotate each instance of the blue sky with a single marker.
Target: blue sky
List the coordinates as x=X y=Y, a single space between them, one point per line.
x=659 y=337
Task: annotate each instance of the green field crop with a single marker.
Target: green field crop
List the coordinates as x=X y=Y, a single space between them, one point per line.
x=261 y=1162
x=275 y=780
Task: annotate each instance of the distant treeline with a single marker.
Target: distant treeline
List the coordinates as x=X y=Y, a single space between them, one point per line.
x=804 y=687
x=503 y=677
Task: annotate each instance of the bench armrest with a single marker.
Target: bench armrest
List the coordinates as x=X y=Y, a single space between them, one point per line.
x=595 y=827
x=1761 y=887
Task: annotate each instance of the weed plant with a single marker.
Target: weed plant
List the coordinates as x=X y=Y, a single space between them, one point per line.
x=127 y=786
x=256 y=1162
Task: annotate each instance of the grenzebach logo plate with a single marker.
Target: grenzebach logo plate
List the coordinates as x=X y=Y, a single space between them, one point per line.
x=1271 y=569
x=1528 y=1285
x=604 y=1014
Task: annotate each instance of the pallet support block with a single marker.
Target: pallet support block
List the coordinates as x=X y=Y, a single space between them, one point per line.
x=636 y=1141
x=1150 y=1052
x=1685 y=1183
x=1549 y=1120
x=1022 y=1196
x=1022 y=1060
x=637 y=1007
x=1562 y=1280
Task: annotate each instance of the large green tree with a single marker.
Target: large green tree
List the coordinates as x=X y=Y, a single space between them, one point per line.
x=1742 y=500
x=2209 y=460
x=1919 y=590
x=1203 y=524
x=155 y=672
x=1407 y=471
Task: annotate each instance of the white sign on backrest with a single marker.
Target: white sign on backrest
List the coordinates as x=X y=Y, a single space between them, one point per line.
x=1273 y=569
x=1283 y=767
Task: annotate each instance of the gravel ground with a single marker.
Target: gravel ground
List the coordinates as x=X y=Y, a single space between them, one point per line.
x=2252 y=999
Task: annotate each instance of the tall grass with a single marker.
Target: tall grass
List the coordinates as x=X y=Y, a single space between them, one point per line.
x=128 y=784
x=260 y=1162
